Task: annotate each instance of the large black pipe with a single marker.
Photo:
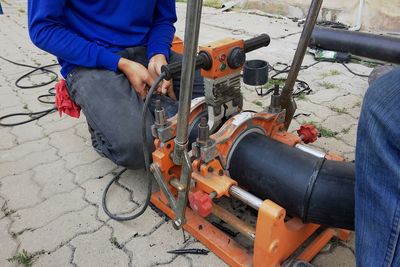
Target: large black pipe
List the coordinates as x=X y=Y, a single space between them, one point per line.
x=313 y=189
x=385 y=48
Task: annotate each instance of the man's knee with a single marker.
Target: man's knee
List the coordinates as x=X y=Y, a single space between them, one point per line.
x=128 y=152
x=382 y=94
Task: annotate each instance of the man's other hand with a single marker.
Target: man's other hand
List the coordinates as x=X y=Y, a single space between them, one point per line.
x=155 y=64
x=138 y=76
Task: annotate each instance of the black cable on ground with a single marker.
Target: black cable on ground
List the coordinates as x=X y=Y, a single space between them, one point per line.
x=354 y=73
x=32 y=115
x=302 y=86
x=146 y=153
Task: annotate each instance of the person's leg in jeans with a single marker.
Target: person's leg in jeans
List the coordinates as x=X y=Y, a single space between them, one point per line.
x=378 y=175
x=113 y=109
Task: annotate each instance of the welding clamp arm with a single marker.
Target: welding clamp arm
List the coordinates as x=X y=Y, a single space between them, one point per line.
x=203 y=60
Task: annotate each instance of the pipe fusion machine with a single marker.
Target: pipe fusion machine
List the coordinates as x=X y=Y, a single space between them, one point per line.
x=213 y=149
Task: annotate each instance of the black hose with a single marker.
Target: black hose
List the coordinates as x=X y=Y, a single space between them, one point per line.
x=32 y=115
x=146 y=153
x=313 y=189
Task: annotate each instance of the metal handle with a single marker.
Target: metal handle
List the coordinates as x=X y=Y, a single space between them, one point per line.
x=203 y=60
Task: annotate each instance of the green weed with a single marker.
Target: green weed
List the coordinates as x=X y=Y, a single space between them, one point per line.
x=24 y=258
x=327 y=85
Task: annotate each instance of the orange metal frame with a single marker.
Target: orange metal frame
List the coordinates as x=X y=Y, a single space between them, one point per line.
x=219 y=52
x=276 y=238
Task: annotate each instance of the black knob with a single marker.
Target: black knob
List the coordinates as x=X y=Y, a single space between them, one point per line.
x=236 y=58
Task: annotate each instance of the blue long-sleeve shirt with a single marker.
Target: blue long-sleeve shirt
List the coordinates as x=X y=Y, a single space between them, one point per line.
x=89 y=32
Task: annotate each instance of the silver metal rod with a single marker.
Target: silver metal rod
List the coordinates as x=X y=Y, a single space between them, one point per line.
x=245 y=197
x=312 y=151
x=192 y=28
x=287 y=92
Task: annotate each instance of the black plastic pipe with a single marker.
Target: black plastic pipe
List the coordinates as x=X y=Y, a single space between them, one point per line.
x=313 y=189
x=380 y=47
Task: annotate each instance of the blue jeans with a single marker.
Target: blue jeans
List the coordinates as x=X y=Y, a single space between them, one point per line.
x=378 y=175
x=113 y=109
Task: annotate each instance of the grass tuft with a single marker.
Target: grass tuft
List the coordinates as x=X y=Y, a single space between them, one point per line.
x=345 y=130
x=24 y=258
x=258 y=103
x=330 y=73
x=339 y=110
x=323 y=131
x=327 y=85
x=115 y=243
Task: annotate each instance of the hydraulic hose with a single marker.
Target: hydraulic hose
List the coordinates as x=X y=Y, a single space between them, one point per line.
x=146 y=154
x=314 y=189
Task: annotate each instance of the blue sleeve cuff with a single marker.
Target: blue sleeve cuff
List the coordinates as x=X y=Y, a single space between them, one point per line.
x=163 y=49
x=108 y=60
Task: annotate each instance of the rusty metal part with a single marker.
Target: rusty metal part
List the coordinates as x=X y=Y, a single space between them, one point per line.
x=244 y=228
x=287 y=101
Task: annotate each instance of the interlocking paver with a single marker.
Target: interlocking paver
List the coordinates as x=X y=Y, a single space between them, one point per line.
x=200 y=260
x=27 y=132
x=60 y=257
x=29 y=161
x=60 y=231
x=59 y=124
x=99 y=168
x=96 y=249
x=118 y=201
x=340 y=123
x=20 y=191
x=327 y=95
x=137 y=182
x=80 y=158
x=48 y=210
x=22 y=150
x=8 y=244
x=67 y=142
x=321 y=111
x=143 y=226
x=7 y=139
x=53 y=178
x=148 y=251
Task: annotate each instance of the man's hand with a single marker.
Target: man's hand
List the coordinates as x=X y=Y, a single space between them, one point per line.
x=155 y=64
x=138 y=76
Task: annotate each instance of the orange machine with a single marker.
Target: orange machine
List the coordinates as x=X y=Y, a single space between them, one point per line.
x=276 y=236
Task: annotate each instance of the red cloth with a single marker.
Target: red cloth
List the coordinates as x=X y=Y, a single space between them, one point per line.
x=64 y=103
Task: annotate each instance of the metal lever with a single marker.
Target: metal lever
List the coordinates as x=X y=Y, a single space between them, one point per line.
x=287 y=101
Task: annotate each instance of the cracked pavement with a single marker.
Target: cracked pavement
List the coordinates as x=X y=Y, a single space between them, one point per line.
x=51 y=180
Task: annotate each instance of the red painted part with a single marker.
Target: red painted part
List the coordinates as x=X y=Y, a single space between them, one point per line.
x=201 y=203
x=308 y=133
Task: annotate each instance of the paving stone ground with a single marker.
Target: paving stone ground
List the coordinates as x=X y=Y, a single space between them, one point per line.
x=51 y=179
